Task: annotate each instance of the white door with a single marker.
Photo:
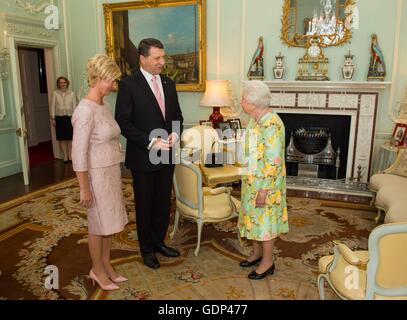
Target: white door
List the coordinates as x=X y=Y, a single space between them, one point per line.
x=19 y=106
x=49 y=67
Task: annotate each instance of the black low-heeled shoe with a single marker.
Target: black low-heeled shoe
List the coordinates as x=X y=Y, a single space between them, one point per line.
x=255 y=276
x=246 y=264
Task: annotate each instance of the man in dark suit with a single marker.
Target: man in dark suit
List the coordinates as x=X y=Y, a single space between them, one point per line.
x=147 y=102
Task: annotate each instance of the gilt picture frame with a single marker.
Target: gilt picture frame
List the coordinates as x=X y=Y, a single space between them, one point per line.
x=179 y=24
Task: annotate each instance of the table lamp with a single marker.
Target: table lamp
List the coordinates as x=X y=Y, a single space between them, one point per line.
x=216 y=96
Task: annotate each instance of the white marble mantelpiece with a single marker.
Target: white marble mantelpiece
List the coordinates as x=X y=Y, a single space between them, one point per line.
x=328 y=85
x=356 y=99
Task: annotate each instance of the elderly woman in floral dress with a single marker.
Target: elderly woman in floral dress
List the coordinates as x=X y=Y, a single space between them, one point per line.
x=263 y=216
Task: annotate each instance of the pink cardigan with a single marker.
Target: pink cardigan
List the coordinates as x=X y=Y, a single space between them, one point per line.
x=95 y=142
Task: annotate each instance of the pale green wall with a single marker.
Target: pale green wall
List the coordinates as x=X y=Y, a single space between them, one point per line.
x=86 y=36
x=10 y=162
x=262 y=18
x=401 y=80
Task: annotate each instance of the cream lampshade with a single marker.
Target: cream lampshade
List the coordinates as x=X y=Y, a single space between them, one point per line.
x=216 y=96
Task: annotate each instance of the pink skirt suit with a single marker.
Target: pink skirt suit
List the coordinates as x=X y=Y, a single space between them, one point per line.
x=96 y=149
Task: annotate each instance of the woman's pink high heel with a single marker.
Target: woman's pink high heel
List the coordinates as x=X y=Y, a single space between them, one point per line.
x=108 y=287
x=119 y=279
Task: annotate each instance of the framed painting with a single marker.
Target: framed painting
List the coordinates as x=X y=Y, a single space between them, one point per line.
x=178 y=24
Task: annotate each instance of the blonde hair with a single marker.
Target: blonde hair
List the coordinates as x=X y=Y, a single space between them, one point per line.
x=101 y=67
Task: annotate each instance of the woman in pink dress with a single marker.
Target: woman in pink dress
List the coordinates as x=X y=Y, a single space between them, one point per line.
x=96 y=158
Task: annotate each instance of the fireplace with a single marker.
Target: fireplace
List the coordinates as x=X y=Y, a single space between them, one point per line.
x=320 y=142
x=352 y=104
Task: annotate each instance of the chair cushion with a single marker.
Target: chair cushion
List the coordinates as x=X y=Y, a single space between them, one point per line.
x=216 y=208
x=225 y=174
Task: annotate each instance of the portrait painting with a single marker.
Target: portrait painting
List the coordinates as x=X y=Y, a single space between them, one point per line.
x=178 y=24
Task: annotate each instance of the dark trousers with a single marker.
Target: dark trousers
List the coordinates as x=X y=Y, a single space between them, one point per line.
x=152 y=195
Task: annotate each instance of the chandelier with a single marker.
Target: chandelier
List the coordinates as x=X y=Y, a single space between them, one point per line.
x=326 y=24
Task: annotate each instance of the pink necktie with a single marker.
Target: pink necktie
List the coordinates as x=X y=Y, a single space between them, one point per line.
x=158 y=95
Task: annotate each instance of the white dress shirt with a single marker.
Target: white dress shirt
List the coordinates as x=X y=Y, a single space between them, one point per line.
x=63 y=103
x=149 y=77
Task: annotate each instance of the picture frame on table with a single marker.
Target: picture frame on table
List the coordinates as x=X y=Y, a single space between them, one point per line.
x=225 y=130
x=207 y=123
x=399 y=137
x=235 y=124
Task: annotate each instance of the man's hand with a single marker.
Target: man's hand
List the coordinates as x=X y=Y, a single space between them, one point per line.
x=172 y=139
x=160 y=144
x=261 y=198
x=85 y=197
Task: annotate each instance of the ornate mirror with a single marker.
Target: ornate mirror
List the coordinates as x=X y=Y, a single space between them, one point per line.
x=330 y=20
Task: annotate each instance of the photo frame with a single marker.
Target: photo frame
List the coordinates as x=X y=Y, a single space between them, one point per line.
x=399 y=137
x=207 y=123
x=179 y=24
x=225 y=130
x=225 y=125
x=235 y=124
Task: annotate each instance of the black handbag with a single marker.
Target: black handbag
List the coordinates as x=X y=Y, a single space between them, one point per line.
x=214 y=159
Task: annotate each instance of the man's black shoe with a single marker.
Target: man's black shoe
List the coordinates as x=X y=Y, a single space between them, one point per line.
x=167 y=251
x=150 y=260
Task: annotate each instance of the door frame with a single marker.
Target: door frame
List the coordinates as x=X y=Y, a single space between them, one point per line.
x=15 y=41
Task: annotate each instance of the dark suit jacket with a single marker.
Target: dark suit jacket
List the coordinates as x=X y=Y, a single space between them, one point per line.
x=138 y=114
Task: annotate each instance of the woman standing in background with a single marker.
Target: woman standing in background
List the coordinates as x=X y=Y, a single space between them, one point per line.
x=62 y=108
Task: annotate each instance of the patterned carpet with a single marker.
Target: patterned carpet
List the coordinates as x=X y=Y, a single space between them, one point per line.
x=48 y=227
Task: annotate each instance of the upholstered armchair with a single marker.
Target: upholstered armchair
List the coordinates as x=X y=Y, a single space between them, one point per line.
x=390 y=187
x=206 y=140
x=379 y=273
x=198 y=203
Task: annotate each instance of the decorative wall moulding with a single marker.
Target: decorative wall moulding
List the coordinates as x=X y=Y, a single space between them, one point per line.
x=28 y=27
x=2 y=103
x=32 y=7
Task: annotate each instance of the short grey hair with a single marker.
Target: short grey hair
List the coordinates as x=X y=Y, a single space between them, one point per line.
x=257 y=93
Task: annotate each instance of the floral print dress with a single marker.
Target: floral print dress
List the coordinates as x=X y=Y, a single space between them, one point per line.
x=265 y=148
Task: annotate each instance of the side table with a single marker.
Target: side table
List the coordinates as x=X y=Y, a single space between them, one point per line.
x=386 y=156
